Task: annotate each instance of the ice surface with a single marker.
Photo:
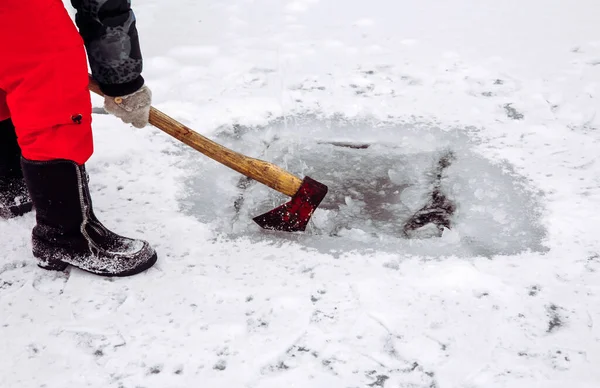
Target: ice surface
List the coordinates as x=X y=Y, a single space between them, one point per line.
x=376 y=183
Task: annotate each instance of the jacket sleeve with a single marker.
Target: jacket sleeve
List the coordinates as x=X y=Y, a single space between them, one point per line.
x=112 y=44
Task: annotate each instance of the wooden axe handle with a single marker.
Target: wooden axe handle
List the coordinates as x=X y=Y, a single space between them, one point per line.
x=259 y=170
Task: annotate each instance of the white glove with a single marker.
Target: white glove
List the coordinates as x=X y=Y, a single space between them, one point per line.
x=133 y=108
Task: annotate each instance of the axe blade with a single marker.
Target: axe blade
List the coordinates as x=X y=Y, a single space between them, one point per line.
x=294 y=215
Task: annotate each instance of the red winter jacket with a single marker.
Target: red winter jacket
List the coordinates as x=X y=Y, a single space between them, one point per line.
x=44 y=70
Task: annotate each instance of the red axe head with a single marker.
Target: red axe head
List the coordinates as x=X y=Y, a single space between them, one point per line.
x=294 y=215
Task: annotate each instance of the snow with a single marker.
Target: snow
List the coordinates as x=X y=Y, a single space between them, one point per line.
x=507 y=298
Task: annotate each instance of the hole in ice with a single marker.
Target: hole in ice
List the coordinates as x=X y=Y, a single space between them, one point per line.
x=406 y=188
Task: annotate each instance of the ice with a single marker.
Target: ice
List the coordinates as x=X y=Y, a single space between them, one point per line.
x=375 y=187
x=507 y=297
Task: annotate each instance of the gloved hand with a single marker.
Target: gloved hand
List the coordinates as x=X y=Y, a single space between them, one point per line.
x=133 y=108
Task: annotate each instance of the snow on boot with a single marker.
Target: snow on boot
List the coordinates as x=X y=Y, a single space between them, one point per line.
x=14 y=198
x=68 y=232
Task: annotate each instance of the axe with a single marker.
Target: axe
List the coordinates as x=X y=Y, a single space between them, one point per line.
x=306 y=193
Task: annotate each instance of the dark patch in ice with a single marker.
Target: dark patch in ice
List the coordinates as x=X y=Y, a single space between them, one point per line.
x=592 y=262
x=379 y=381
x=498 y=82
x=556 y=321
x=512 y=113
x=298 y=351
x=361 y=90
x=5 y=284
x=434 y=383
x=439 y=209
x=33 y=350
x=534 y=290
x=220 y=365
x=426 y=378
x=243 y=184
x=254 y=324
x=318 y=316
x=328 y=364
x=273 y=368
x=356 y=146
x=282 y=366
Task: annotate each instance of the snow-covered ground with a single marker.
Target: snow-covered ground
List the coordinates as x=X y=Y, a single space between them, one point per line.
x=510 y=297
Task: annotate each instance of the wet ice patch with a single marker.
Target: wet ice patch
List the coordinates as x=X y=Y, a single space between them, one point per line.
x=377 y=185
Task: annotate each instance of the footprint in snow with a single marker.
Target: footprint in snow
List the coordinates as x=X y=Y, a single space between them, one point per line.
x=51 y=282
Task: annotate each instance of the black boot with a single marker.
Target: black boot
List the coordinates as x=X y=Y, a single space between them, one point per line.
x=14 y=198
x=68 y=232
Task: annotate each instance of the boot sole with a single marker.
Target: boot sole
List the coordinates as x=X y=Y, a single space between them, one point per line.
x=59 y=265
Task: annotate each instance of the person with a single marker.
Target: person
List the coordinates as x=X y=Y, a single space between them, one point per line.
x=46 y=125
